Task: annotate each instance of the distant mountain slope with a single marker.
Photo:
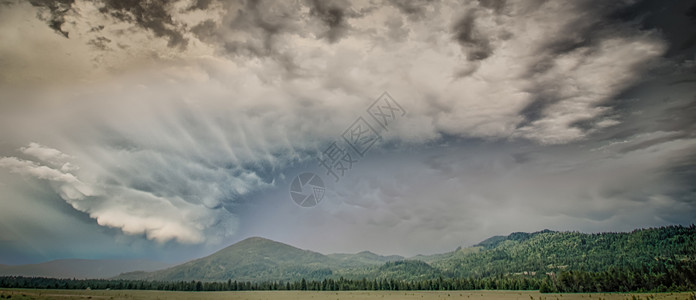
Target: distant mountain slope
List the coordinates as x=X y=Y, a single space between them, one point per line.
x=406 y=270
x=523 y=254
x=81 y=268
x=494 y=241
x=448 y=255
x=362 y=258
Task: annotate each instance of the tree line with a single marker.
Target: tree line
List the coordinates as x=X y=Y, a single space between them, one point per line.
x=680 y=278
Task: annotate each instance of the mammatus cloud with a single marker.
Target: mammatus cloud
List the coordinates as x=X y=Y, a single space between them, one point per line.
x=174 y=114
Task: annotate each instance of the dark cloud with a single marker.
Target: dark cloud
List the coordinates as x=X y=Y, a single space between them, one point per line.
x=535 y=109
x=674 y=20
x=57 y=10
x=665 y=103
x=259 y=24
x=692 y=12
x=151 y=15
x=398 y=32
x=585 y=31
x=201 y=4
x=574 y=36
x=679 y=117
x=266 y=19
x=100 y=43
x=583 y=36
x=522 y=157
x=476 y=44
x=334 y=15
x=414 y=9
x=651 y=142
x=681 y=174
x=495 y=5
x=257 y=28
x=205 y=30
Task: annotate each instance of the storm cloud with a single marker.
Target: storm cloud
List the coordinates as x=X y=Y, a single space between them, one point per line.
x=182 y=122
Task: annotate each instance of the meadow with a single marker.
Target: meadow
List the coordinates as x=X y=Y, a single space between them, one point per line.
x=326 y=295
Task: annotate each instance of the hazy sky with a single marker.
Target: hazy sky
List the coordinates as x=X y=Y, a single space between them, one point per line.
x=170 y=129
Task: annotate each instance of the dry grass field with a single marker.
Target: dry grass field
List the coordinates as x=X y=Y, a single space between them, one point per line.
x=282 y=295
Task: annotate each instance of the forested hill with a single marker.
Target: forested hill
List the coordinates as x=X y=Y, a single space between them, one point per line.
x=666 y=250
x=257 y=259
x=649 y=250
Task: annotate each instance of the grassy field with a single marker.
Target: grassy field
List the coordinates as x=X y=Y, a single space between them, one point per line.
x=281 y=295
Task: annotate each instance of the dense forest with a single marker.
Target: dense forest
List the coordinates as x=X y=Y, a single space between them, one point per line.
x=649 y=250
x=614 y=280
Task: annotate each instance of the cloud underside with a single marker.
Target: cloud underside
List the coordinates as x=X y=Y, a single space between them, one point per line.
x=178 y=112
x=134 y=212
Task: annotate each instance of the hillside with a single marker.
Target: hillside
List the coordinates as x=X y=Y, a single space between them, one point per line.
x=362 y=258
x=549 y=251
x=656 y=250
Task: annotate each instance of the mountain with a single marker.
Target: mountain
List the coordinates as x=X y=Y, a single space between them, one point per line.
x=259 y=259
x=249 y=260
x=81 y=268
x=518 y=254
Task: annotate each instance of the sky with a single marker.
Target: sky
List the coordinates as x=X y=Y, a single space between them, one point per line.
x=167 y=130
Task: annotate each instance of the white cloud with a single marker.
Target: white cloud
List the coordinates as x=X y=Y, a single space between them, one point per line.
x=160 y=218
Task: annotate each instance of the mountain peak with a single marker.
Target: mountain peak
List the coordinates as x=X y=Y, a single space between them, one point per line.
x=259 y=242
x=259 y=246
x=256 y=239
